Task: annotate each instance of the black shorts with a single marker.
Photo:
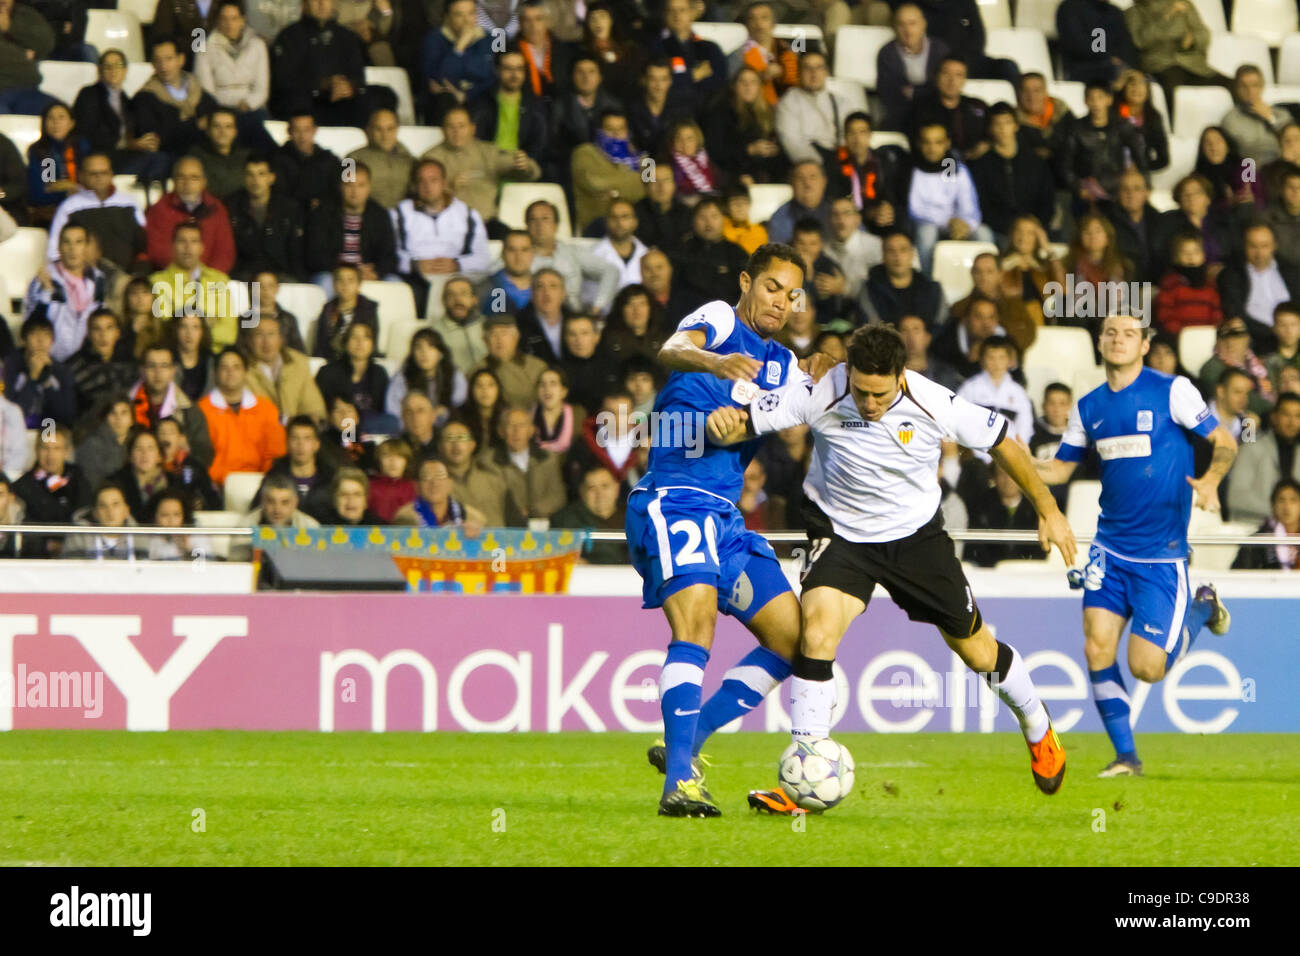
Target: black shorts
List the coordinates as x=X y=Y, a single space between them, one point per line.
x=921 y=572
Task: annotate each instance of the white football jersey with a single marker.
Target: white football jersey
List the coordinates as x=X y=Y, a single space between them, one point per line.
x=876 y=481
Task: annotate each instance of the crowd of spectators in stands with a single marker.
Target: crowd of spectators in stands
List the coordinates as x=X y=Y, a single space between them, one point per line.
x=513 y=400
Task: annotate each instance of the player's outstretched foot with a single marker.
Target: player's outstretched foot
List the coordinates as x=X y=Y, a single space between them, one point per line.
x=690 y=799
x=1220 y=620
x=658 y=757
x=1122 y=768
x=772 y=801
x=1047 y=761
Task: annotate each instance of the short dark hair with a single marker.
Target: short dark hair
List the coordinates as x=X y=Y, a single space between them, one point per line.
x=767 y=253
x=809 y=224
x=176 y=494
x=705 y=202
x=1229 y=373
x=858 y=116
x=1003 y=109
x=301 y=421
x=34 y=322
x=1058 y=387
x=277 y=481
x=1289 y=307
x=1098 y=85
x=877 y=350
x=528 y=210
x=1281 y=486
x=182 y=226
x=1286 y=397
x=999 y=342
x=231 y=350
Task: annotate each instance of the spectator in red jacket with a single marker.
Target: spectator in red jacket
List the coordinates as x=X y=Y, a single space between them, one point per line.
x=1187 y=297
x=190 y=201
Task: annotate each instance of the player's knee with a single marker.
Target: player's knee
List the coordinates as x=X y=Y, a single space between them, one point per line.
x=1099 y=654
x=1151 y=671
x=819 y=643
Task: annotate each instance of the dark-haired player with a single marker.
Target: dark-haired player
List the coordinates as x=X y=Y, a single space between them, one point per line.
x=686 y=536
x=872 y=512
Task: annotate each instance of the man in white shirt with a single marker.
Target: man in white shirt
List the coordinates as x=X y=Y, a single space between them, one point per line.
x=113 y=215
x=579 y=267
x=620 y=247
x=942 y=200
x=873 y=481
x=852 y=248
x=13 y=440
x=995 y=389
x=810 y=116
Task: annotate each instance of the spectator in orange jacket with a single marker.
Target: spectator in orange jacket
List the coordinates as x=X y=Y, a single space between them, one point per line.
x=769 y=57
x=246 y=430
x=190 y=201
x=1187 y=295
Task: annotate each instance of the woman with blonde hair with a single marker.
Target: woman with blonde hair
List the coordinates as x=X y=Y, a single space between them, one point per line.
x=694 y=173
x=1029 y=266
x=740 y=130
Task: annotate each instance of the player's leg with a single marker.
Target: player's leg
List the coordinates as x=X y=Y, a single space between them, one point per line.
x=827 y=614
x=1004 y=670
x=1102 y=629
x=1167 y=618
x=692 y=615
x=763 y=601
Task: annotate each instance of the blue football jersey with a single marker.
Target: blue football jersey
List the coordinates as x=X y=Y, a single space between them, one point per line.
x=1141 y=434
x=680 y=454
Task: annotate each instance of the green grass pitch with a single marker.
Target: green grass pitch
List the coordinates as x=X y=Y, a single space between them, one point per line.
x=267 y=799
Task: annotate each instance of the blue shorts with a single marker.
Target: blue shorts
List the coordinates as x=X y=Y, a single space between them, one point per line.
x=1155 y=594
x=679 y=537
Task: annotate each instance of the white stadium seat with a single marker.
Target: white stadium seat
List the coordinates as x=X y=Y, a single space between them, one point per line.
x=767 y=198
x=115 y=30
x=1289 y=93
x=516 y=197
x=856 y=48
x=1083 y=506
x=64 y=81
x=418 y=140
x=397 y=337
x=813 y=38
x=395 y=78
x=991 y=91
x=396 y=304
x=1196 y=347
x=21 y=257
x=1288 y=60
x=1159 y=102
x=137 y=75
x=144 y=10
x=219 y=519
x=729 y=36
x=32 y=435
x=995 y=13
x=1070 y=92
x=340 y=140
x=241 y=487
x=315 y=363
x=305 y=301
x=1038 y=15
x=1182 y=159
x=887 y=138
x=1231 y=50
x=278 y=130
x=1196 y=107
x=1059 y=354
x=1214 y=557
x=1162 y=200
x=1211 y=12
x=21 y=130
x=1270 y=19
x=952 y=264
x=127 y=184
x=853 y=93
x=1025 y=46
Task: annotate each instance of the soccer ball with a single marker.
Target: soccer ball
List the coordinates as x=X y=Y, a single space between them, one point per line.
x=816 y=774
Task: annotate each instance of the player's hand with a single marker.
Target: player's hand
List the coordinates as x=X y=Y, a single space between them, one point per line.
x=817 y=365
x=1207 y=492
x=724 y=423
x=737 y=367
x=1055 y=530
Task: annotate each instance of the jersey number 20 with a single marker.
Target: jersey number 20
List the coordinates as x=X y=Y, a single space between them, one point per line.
x=689 y=553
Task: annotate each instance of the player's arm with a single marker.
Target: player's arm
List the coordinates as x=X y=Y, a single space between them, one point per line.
x=771 y=411
x=1012 y=456
x=728 y=425
x=686 y=351
x=1074 y=443
x=1225 y=453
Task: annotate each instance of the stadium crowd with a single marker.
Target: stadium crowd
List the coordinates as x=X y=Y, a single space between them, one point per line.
x=474 y=399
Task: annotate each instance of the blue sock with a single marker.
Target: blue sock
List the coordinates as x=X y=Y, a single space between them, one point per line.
x=1111 y=698
x=679 y=700
x=1198 y=612
x=743 y=688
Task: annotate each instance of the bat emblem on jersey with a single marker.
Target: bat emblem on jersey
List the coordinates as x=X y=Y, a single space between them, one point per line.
x=905 y=431
x=773 y=373
x=1145 y=420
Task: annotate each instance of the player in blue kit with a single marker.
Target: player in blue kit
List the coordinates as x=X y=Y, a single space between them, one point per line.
x=686 y=536
x=1140 y=422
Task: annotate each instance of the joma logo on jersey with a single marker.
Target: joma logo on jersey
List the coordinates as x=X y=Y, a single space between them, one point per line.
x=853 y=423
x=905 y=432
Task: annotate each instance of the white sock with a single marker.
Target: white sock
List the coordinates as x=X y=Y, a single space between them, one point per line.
x=1017 y=692
x=811 y=703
